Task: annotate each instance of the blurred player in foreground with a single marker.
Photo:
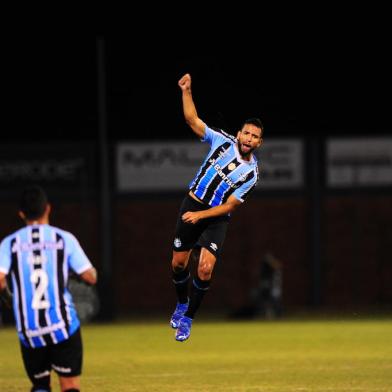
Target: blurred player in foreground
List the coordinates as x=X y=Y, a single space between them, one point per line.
x=39 y=258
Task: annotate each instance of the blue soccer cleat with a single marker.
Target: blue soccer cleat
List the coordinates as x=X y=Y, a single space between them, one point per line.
x=184 y=329
x=178 y=314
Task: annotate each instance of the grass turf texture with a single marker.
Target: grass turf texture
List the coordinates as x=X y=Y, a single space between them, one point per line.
x=252 y=356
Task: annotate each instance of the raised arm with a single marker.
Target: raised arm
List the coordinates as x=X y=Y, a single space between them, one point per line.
x=189 y=108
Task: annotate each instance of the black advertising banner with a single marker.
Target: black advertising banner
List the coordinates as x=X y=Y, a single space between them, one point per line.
x=65 y=170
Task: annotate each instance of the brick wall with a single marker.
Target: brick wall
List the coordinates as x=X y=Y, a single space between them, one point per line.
x=356 y=250
x=358 y=262
x=143 y=246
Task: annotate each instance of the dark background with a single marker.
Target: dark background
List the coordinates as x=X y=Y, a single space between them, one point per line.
x=297 y=84
x=334 y=245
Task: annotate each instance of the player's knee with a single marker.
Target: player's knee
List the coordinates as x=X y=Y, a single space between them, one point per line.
x=205 y=271
x=179 y=267
x=179 y=263
x=205 y=275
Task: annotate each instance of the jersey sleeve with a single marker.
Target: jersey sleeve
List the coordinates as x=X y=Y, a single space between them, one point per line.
x=245 y=189
x=77 y=259
x=215 y=137
x=5 y=256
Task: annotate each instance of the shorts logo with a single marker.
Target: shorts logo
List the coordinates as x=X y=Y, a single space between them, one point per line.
x=43 y=374
x=213 y=246
x=61 y=369
x=177 y=242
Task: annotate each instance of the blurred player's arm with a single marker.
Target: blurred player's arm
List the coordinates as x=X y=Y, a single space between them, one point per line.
x=89 y=276
x=229 y=206
x=189 y=108
x=5 y=293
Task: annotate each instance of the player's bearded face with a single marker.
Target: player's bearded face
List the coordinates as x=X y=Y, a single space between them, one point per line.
x=249 y=138
x=245 y=148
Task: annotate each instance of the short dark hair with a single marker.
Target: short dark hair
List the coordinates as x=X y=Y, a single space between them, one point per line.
x=33 y=202
x=256 y=122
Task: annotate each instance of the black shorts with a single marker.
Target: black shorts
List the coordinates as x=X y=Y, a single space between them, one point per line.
x=64 y=358
x=208 y=233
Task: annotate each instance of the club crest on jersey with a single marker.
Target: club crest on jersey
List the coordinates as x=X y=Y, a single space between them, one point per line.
x=232 y=166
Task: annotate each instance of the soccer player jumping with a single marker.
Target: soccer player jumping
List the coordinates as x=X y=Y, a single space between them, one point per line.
x=225 y=179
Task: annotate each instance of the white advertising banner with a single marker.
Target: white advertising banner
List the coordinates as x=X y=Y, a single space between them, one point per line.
x=154 y=167
x=281 y=164
x=359 y=162
x=171 y=166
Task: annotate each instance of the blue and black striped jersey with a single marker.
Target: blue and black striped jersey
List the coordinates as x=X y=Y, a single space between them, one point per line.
x=224 y=172
x=39 y=258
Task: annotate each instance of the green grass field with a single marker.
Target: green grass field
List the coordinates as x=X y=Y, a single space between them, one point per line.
x=263 y=356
